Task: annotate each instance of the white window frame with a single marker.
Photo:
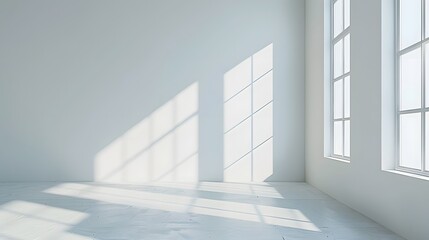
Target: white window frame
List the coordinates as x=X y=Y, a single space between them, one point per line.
x=423 y=109
x=333 y=79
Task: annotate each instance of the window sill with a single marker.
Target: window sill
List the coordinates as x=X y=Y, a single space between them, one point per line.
x=413 y=175
x=338 y=159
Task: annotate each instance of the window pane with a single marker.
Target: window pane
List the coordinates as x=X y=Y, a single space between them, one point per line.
x=338 y=137
x=427 y=72
x=338 y=59
x=410 y=141
x=347 y=138
x=410 y=80
x=346 y=13
x=338 y=17
x=347 y=53
x=410 y=22
x=427 y=142
x=338 y=99
x=427 y=18
x=347 y=97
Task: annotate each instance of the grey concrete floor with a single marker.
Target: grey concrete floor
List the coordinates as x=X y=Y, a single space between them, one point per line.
x=207 y=210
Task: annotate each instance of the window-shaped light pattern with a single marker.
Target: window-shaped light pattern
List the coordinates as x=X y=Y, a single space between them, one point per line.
x=340 y=79
x=412 y=85
x=248 y=118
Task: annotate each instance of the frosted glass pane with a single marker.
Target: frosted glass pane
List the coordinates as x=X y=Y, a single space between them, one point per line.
x=347 y=97
x=427 y=18
x=410 y=80
x=338 y=138
x=410 y=141
x=338 y=17
x=427 y=142
x=410 y=22
x=338 y=58
x=427 y=73
x=347 y=53
x=346 y=13
x=347 y=138
x=338 y=99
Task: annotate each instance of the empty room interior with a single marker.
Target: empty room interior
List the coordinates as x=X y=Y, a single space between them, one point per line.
x=223 y=120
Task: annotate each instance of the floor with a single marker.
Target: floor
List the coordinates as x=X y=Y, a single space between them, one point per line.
x=283 y=211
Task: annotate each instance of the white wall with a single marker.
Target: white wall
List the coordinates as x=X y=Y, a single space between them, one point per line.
x=399 y=202
x=86 y=86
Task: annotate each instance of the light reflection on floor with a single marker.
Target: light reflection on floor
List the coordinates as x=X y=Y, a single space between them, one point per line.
x=178 y=211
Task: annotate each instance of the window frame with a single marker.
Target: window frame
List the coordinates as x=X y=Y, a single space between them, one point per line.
x=332 y=79
x=423 y=43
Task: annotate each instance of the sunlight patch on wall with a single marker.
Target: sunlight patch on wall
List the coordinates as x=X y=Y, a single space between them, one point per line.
x=162 y=147
x=248 y=119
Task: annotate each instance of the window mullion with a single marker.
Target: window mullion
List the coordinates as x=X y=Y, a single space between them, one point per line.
x=417 y=110
x=341 y=77
x=410 y=48
x=397 y=85
x=341 y=35
x=423 y=84
x=331 y=85
x=344 y=70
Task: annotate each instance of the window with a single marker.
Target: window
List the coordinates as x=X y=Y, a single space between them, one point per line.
x=340 y=79
x=412 y=102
